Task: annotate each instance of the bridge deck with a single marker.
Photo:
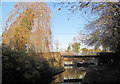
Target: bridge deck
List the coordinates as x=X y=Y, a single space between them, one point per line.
x=79 y=56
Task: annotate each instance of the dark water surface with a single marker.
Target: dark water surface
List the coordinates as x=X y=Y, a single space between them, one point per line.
x=72 y=75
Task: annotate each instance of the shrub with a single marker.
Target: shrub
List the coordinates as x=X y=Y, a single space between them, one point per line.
x=19 y=67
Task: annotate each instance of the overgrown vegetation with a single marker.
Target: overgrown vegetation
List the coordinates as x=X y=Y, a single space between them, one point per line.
x=26 y=45
x=21 y=67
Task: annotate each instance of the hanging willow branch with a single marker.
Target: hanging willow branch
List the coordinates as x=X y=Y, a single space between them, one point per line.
x=29 y=24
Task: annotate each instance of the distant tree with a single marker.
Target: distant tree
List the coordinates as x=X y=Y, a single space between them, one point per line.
x=76 y=47
x=105 y=49
x=90 y=50
x=68 y=49
x=84 y=50
x=97 y=50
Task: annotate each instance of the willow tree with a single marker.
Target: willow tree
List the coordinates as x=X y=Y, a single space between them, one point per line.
x=29 y=26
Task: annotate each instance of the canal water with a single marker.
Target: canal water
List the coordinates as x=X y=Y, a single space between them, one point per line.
x=71 y=75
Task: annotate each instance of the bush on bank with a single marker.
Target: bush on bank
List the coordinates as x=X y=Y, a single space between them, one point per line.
x=20 y=67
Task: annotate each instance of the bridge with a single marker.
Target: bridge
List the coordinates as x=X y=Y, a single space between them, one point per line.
x=70 y=58
x=99 y=58
x=79 y=56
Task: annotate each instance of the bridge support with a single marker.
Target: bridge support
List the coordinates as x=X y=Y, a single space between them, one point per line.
x=96 y=61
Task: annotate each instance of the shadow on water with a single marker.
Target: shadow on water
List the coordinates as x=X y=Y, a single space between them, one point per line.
x=72 y=75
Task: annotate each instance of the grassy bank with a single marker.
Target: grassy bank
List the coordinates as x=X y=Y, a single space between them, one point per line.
x=21 y=67
x=108 y=73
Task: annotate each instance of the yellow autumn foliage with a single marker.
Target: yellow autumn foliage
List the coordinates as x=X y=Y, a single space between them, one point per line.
x=29 y=24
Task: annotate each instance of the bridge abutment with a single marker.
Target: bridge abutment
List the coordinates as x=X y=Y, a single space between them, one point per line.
x=96 y=61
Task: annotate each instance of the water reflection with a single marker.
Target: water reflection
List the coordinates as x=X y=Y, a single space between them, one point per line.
x=68 y=67
x=71 y=74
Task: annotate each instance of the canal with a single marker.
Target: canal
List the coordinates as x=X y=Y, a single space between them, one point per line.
x=71 y=75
